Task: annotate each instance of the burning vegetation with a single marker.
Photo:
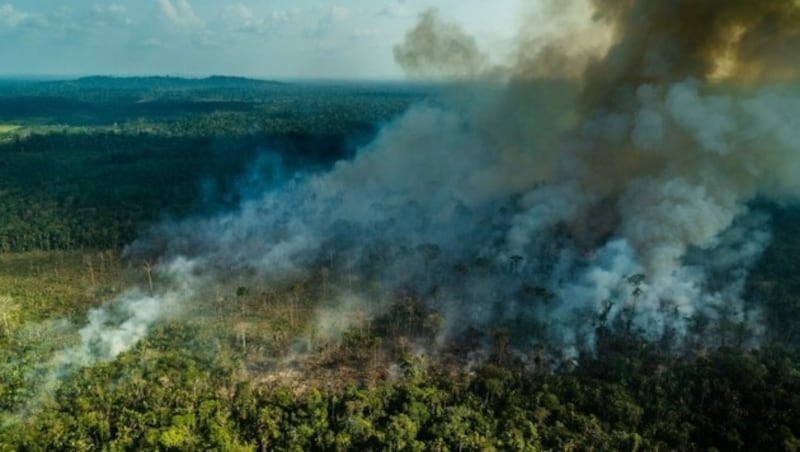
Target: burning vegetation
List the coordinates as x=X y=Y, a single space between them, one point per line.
x=600 y=198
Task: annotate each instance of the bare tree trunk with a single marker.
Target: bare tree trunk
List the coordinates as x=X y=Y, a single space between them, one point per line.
x=88 y=261
x=148 y=268
x=241 y=330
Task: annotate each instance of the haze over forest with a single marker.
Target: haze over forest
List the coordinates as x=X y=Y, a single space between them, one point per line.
x=307 y=39
x=572 y=227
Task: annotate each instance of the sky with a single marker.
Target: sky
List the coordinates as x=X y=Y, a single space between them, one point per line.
x=257 y=38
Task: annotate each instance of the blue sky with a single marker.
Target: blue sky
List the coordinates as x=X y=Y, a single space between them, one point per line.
x=264 y=38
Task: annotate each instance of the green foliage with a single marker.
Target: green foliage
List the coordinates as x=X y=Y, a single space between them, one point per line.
x=176 y=392
x=86 y=169
x=128 y=154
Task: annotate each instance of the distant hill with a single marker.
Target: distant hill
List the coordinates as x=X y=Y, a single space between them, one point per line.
x=136 y=89
x=165 y=82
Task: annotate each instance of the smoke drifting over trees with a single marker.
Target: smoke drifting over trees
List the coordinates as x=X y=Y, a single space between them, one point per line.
x=581 y=186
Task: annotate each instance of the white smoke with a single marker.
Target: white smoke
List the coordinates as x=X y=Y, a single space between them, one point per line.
x=115 y=328
x=628 y=209
x=649 y=236
x=120 y=324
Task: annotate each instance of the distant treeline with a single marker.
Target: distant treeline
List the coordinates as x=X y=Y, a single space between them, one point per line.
x=89 y=163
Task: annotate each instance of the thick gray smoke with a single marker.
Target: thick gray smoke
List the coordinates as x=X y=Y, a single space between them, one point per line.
x=438 y=49
x=549 y=207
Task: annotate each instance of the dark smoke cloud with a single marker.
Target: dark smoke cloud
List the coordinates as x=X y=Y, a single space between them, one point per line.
x=435 y=48
x=663 y=42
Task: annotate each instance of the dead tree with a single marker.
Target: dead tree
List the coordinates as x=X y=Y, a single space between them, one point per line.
x=148 y=269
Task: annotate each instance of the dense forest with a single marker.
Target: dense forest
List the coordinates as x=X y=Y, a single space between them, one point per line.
x=88 y=165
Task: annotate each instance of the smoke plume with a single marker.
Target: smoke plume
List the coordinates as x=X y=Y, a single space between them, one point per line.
x=582 y=185
x=435 y=48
